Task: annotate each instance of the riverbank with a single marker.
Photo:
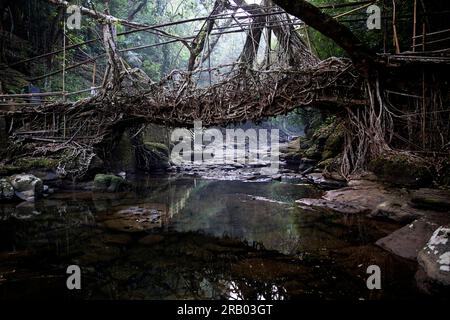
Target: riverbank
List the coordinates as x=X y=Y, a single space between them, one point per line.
x=387 y=220
x=192 y=238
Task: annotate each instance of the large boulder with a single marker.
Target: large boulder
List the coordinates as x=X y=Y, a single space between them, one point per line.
x=401 y=170
x=326 y=142
x=27 y=186
x=109 y=183
x=435 y=256
x=406 y=242
x=6 y=190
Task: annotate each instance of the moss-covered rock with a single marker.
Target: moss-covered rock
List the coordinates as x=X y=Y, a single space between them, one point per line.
x=313 y=152
x=334 y=143
x=131 y=154
x=324 y=143
x=401 y=169
x=158 y=148
x=325 y=163
x=158 y=155
x=332 y=168
x=321 y=135
x=109 y=183
x=28 y=164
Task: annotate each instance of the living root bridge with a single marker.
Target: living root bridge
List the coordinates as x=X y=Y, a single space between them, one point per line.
x=247 y=94
x=244 y=90
x=76 y=129
x=244 y=94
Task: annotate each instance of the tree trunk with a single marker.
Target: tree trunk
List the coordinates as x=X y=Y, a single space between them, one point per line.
x=199 y=42
x=361 y=56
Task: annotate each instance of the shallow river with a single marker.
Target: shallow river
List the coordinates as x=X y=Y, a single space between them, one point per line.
x=186 y=238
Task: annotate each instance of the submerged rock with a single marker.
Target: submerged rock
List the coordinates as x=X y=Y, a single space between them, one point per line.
x=6 y=190
x=27 y=186
x=435 y=256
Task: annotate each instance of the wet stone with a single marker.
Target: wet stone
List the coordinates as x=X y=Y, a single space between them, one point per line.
x=409 y=240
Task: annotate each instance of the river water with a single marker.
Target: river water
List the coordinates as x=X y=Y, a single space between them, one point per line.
x=178 y=237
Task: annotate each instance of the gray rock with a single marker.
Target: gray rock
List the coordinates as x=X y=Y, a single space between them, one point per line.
x=435 y=256
x=27 y=186
x=336 y=206
x=390 y=210
x=6 y=190
x=409 y=240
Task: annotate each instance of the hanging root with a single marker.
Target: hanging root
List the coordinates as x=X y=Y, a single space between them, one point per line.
x=370 y=130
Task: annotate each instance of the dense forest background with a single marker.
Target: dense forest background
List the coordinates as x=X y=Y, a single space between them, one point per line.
x=34 y=27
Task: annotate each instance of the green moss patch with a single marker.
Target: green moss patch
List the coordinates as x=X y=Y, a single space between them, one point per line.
x=401 y=169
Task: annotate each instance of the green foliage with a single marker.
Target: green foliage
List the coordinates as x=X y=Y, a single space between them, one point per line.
x=39 y=23
x=356 y=22
x=152 y=69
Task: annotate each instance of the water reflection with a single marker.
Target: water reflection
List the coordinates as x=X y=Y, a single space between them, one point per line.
x=192 y=239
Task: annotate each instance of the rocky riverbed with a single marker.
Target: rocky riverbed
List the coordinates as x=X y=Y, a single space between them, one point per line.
x=297 y=214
